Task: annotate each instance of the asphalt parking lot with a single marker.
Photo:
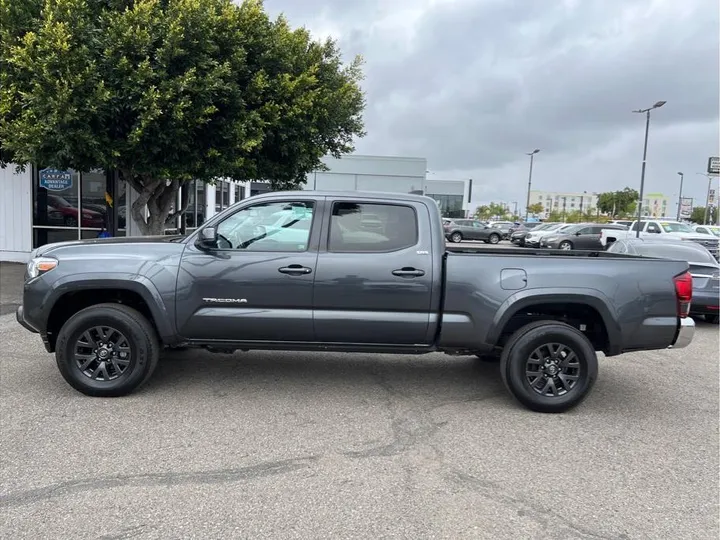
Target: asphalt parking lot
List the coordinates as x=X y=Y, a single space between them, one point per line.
x=285 y=445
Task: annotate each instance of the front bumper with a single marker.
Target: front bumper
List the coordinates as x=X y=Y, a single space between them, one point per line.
x=685 y=334
x=20 y=316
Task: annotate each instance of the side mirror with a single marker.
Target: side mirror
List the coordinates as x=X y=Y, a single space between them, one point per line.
x=207 y=238
x=577 y=233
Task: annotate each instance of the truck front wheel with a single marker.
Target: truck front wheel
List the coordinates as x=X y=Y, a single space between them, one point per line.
x=107 y=350
x=549 y=366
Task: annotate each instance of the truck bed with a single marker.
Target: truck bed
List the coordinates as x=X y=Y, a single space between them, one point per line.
x=628 y=301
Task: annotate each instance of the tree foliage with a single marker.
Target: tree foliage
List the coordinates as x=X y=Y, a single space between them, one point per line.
x=167 y=91
x=619 y=203
x=490 y=211
x=536 y=208
x=698 y=215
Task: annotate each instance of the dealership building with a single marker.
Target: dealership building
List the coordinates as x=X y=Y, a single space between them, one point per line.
x=44 y=205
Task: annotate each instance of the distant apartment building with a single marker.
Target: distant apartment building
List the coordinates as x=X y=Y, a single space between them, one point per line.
x=561 y=200
x=654 y=204
x=657 y=205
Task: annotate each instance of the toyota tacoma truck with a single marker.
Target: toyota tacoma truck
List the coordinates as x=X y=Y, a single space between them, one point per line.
x=348 y=272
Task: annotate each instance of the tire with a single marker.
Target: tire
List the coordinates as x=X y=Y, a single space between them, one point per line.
x=523 y=346
x=494 y=238
x=565 y=245
x=456 y=237
x=70 y=221
x=127 y=332
x=712 y=319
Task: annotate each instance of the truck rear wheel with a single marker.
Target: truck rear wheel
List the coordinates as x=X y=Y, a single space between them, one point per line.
x=549 y=366
x=107 y=350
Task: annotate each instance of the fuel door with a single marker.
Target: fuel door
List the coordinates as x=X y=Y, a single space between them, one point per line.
x=513 y=279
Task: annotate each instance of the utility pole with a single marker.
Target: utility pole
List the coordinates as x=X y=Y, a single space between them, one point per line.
x=707 y=196
x=527 y=204
x=680 y=197
x=644 y=160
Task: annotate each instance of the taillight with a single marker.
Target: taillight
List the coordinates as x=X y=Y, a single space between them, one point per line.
x=683 y=293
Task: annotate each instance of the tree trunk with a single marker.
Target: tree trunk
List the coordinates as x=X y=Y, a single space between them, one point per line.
x=158 y=197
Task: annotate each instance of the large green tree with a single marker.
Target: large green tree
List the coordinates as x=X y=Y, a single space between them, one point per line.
x=618 y=203
x=166 y=91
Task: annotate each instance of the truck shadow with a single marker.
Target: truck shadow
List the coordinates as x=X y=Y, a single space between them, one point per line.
x=314 y=374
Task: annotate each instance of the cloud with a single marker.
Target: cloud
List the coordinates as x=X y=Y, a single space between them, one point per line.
x=474 y=84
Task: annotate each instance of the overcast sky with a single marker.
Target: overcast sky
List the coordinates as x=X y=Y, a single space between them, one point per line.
x=472 y=85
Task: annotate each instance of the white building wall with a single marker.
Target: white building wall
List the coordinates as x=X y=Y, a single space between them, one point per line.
x=15 y=214
x=370 y=173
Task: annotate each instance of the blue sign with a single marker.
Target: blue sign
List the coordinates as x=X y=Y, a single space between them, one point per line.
x=55 y=179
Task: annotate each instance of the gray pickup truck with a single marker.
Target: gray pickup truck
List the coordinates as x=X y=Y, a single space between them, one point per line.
x=348 y=272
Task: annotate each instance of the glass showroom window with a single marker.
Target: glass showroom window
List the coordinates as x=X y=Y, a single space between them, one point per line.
x=68 y=205
x=450 y=205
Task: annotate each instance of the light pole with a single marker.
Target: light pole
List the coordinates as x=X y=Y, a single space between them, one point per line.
x=642 y=173
x=532 y=155
x=682 y=176
x=707 y=197
x=515 y=214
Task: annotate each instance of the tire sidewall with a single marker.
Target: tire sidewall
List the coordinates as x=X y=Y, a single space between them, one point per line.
x=140 y=351
x=494 y=238
x=456 y=237
x=566 y=243
x=514 y=359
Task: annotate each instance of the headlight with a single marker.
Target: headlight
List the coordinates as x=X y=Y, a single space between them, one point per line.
x=40 y=265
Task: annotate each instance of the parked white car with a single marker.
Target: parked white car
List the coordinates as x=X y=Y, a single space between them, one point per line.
x=654 y=228
x=708 y=229
x=532 y=239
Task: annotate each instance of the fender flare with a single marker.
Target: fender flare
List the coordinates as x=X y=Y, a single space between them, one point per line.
x=162 y=317
x=584 y=296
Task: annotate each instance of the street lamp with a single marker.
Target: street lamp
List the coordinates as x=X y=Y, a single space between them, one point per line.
x=532 y=155
x=682 y=176
x=707 y=197
x=642 y=174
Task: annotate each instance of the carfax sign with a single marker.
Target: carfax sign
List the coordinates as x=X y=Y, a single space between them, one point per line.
x=713 y=165
x=55 y=179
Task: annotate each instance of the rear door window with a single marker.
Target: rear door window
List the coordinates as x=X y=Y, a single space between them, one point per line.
x=367 y=228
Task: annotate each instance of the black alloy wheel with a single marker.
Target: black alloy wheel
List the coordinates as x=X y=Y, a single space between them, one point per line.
x=102 y=353
x=552 y=369
x=107 y=350
x=549 y=366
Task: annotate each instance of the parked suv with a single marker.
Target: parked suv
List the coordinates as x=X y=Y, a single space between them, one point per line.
x=472 y=229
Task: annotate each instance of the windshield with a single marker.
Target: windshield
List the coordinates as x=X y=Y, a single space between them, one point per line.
x=675 y=227
x=678 y=251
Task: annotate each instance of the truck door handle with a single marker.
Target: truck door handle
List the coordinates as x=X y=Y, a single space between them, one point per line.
x=408 y=272
x=295 y=269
